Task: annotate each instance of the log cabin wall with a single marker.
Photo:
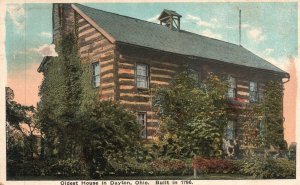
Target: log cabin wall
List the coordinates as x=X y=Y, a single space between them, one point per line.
x=243 y=76
x=140 y=100
x=163 y=67
x=94 y=47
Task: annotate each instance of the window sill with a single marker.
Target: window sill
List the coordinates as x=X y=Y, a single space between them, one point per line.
x=142 y=89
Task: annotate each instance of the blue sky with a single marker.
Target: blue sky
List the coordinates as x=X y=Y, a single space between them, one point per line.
x=268 y=29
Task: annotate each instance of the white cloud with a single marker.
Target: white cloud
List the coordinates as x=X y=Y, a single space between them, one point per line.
x=46 y=50
x=154 y=19
x=256 y=34
x=253 y=33
x=209 y=33
x=192 y=17
x=46 y=34
x=212 y=23
x=17 y=15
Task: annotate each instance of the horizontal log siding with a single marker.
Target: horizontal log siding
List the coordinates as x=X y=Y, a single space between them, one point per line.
x=139 y=100
x=242 y=88
x=93 y=46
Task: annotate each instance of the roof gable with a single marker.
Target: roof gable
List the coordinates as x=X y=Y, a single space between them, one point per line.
x=151 y=35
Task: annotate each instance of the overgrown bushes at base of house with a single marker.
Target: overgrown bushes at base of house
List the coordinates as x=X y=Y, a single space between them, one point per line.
x=69 y=168
x=214 y=166
x=159 y=167
x=171 y=167
x=267 y=168
x=260 y=168
x=57 y=168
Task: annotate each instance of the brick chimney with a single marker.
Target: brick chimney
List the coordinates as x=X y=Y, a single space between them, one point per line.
x=63 y=20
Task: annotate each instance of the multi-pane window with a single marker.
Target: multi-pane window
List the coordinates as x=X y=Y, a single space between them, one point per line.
x=142 y=120
x=229 y=130
x=253 y=92
x=232 y=87
x=142 y=76
x=96 y=74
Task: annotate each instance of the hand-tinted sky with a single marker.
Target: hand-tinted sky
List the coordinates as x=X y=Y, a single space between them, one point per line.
x=268 y=29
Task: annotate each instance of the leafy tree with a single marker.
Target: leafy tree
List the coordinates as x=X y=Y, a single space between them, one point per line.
x=15 y=112
x=21 y=145
x=193 y=115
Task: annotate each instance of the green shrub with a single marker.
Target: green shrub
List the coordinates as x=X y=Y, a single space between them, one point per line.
x=68 y=168
x=213 y=165
x=159 y=167
x=109 y=137
x=193 y=123
x=267 y=168
x=27 y=168
x=171 y=167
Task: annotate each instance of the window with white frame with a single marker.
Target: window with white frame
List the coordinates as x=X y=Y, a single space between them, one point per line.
x=142 y=76
x=232 y=87
x=253 y=92
x=142 y=120
x=96 y=74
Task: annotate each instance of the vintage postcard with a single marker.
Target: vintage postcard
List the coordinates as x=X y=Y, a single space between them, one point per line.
x=140 y=93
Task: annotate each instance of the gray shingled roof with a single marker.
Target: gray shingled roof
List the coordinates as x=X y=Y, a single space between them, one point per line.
x=142 y=33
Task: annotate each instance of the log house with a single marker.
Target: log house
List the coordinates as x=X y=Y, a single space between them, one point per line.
x=132 y=56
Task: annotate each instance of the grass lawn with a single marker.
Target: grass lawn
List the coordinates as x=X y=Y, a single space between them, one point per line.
x=223 y=177
x=199 y=177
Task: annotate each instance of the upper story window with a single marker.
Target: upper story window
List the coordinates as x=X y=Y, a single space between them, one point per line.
x=96 y=74
x=232 y=87
x=142 y=120
x=142 y=76
x=253 y=92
